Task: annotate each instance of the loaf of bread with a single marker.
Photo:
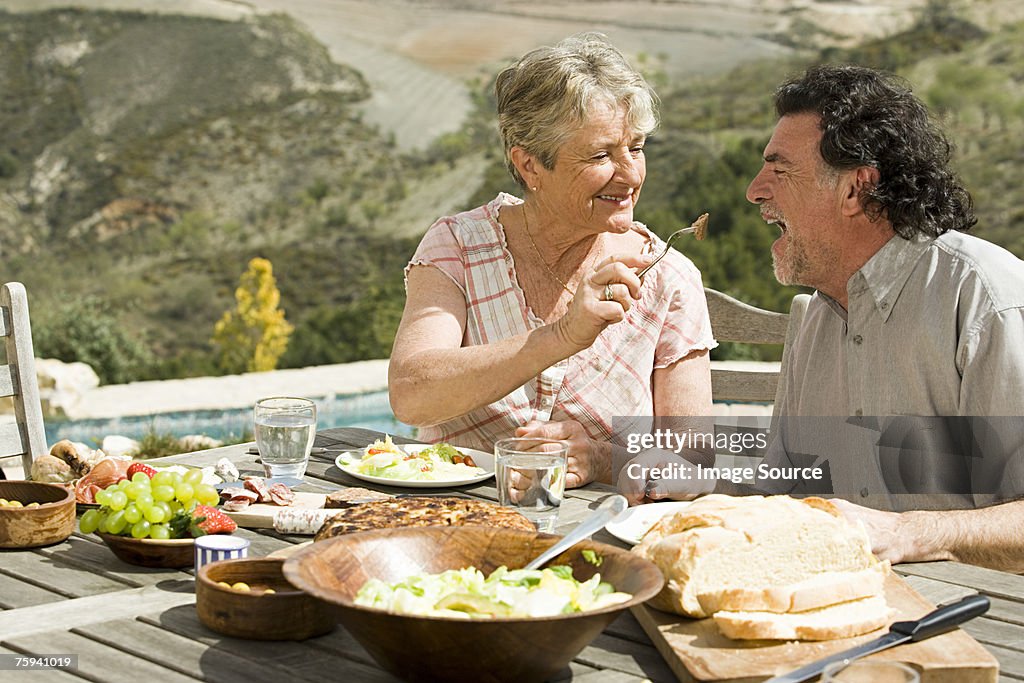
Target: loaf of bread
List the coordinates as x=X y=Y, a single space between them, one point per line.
x=760 y=554
x=842 y=620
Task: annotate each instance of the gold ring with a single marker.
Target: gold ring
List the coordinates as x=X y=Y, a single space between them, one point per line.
x=608 y=293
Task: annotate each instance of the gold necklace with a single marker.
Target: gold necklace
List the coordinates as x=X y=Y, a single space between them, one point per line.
x=526 y=224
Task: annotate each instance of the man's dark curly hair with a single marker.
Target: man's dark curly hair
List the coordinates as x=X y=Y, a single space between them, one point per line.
x=869 y=118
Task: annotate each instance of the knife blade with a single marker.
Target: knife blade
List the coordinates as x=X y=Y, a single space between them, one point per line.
x=934 y=623
x=291 y=482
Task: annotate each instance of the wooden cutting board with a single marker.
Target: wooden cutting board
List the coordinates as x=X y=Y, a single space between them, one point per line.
x=261 y=515
x=697 y=652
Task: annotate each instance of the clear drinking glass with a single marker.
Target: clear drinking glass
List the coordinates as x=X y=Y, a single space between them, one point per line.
x=867 y=671
x=285 y=428
x=530 y=476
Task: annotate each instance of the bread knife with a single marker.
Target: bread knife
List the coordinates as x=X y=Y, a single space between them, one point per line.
x=935 y=623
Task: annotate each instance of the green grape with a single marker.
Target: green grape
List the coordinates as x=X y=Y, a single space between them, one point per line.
x=166 y=507
x=118 y=500
x=176 y=507
x=160 y=531
x=206 y=494
x=176 y=478
x=116 y=522
x=140 y=477
x=102 y=497
x=154 y=514
x=163 y=492
x=163 y=478
x=102 y=527
x=194 y=477
x=184 y=492
x=132 y=513
x=140 y=529
x=124 y=484
x=145 y=500
x=135 y=489
x=90 y=521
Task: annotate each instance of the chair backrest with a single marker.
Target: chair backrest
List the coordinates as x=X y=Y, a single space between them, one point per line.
x=25 y=436
x=732 y=320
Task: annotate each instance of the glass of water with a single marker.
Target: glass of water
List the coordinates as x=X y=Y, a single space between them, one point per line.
x=285 y=429
x=530 y=475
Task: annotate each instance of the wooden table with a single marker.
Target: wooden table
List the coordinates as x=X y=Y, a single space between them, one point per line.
x=132 y=624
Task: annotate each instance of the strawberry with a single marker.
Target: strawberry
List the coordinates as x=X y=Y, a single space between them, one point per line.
x=201 y=521
x=140 y=467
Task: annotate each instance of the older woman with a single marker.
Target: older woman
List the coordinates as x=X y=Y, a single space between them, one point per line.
x=525 y=317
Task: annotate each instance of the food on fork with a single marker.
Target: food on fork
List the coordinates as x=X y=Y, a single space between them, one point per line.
x=756 y=563
x=700 y=227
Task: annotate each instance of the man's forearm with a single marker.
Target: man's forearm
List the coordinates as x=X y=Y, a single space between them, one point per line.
x=990 y=537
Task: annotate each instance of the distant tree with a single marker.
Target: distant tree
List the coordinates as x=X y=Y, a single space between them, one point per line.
x=84 y=330
x=253 y=336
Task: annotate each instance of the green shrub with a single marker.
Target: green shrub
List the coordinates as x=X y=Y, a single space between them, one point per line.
x=84 y=329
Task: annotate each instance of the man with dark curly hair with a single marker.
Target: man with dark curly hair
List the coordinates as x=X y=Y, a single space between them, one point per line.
x=912 y=318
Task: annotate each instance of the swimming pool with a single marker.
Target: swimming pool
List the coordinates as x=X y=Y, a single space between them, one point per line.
x=370 y=410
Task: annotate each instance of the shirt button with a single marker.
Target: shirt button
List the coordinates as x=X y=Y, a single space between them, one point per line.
x=864 y=493
x=884 y=304
x=857 y=339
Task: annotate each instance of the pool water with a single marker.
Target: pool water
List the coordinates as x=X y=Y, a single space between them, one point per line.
x=371 y=411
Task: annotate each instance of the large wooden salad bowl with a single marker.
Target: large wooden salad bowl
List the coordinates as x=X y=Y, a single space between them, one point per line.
x=418 y=648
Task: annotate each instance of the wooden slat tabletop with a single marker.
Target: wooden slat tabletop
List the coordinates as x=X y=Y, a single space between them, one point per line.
x=128 y=623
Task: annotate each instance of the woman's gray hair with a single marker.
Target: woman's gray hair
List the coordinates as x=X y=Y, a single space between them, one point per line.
x=546 y=96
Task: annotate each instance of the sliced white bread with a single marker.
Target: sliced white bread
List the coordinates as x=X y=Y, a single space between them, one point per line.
x=817 y=591
x=725 y=548
x=843 y=620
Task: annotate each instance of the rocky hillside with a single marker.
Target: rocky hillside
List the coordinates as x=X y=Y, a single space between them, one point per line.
x=145 y=158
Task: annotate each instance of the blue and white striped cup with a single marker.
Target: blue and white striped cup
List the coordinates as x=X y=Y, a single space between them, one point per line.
x=217 y=547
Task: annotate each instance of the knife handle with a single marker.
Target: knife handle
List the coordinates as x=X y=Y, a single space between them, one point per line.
x=943 y=619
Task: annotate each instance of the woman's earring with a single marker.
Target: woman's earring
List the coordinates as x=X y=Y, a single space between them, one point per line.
x=534 y=188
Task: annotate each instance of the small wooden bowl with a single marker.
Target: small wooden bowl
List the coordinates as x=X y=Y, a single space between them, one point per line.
x=150 y=552
x=418 y=648
x=51 y=522
x=286 y=614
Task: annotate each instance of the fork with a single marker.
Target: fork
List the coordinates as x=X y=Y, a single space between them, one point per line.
x=699 y=227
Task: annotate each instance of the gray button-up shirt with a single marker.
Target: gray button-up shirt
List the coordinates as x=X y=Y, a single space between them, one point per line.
x=934 y=327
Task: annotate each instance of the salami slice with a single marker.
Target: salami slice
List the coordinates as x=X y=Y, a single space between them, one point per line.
x=238 y=503
x=280 y=494
x=259 y=487
x=230 y=492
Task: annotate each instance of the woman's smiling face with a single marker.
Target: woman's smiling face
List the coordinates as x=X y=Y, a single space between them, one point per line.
x=598 y=173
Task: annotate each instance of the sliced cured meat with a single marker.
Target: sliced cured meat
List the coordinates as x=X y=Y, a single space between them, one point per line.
x=237 y=492
x=104 y=473
x=238 y=503
x=280 y=494
x=259 y=487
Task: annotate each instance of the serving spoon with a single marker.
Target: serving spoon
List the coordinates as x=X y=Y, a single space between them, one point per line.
x=699 y=227
x=610 y=508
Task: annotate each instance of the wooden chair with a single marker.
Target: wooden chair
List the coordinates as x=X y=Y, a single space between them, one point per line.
x=734 y=321
x=24 y=436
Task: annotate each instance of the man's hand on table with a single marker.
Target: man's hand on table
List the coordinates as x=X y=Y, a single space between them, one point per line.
x=639 y=486
x=889 y=540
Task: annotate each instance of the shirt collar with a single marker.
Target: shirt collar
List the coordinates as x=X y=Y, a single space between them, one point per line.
x=886 y=273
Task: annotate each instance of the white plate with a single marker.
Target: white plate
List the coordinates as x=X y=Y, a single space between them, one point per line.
x=483 y=460
x=633 y=523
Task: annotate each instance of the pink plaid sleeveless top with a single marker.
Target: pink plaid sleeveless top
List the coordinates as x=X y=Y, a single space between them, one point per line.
x=611 y=378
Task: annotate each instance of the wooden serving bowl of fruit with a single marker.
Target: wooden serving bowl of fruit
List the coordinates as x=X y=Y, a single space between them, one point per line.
x=34 y=514
x=250 y=598
x=151 y=519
